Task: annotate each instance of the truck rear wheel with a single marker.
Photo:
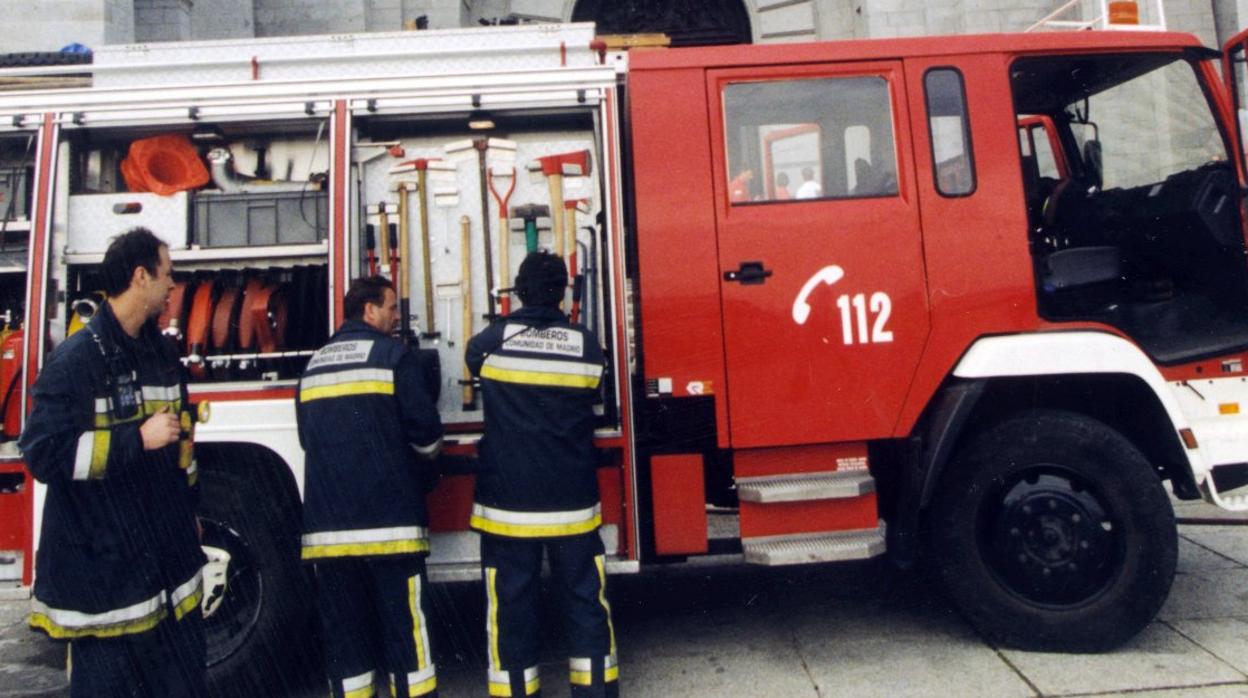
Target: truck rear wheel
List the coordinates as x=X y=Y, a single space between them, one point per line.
x=1051 y=531
x=261 y=636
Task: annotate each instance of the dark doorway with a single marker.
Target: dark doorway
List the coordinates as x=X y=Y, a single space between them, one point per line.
x=687 y=22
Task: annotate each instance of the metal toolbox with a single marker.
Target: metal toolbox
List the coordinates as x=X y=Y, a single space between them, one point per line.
x=95 y=219
x=251 y=219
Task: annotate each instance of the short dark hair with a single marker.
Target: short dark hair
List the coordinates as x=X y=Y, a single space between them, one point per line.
x=364 y=290
x=137 y=247
x=542 y=279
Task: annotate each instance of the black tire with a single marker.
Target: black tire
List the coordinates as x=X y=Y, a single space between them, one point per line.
x=42 y=58
x=262 y=639
x=1051 y=531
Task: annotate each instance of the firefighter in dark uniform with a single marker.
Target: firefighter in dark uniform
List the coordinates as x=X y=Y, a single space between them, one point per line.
x=118 y=567
x=537 y=486
x=370 y=430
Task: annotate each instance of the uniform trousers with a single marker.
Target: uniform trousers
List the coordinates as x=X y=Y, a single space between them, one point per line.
x=164 y=662
x=512 y=569
x=374 y=615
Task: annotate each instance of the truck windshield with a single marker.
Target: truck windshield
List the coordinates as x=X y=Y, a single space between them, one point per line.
x=1139 y=227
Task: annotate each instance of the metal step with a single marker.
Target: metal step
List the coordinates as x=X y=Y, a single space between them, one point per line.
x=800 y=487
x=806 y=548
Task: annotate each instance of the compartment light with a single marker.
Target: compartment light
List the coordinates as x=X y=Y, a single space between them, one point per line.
x=480 y=120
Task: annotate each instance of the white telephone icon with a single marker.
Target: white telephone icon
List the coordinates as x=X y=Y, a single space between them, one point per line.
x=801 y=305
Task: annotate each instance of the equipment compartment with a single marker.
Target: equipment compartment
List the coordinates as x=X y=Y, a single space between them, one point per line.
x=250 y=219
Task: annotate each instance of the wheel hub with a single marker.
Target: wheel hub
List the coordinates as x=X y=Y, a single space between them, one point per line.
x=239 y=606
x=1050 y=538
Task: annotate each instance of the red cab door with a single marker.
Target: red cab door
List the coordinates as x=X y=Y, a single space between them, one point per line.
x=821 y=261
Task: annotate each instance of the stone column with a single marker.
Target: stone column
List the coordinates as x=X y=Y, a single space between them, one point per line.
x=162 y=20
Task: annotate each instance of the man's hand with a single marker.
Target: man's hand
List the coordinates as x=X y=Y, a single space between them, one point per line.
x=160 y=430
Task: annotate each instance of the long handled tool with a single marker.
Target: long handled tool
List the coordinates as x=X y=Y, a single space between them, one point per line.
x=399 y=258
x=504 y=238
x=574 y=277
x=465 y=281
x=554 y=167
x=383 y=226
x=486 y=149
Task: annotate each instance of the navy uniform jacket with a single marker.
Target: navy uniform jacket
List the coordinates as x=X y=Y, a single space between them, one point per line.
x=539 y=378
x=369 y=430
x=118 y=550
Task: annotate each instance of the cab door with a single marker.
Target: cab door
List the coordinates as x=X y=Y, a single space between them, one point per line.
x=820 y=251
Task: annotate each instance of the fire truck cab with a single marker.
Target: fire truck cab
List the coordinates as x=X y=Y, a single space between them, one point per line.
x=975 y=301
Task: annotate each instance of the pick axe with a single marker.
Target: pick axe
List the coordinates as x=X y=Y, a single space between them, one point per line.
x=555 y=167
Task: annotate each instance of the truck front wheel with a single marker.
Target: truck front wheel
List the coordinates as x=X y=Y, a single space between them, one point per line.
x=1051 y=531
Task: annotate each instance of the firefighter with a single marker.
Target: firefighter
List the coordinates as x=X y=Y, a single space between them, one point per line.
x=118 y=566
x=370 y=431
x=538 y=488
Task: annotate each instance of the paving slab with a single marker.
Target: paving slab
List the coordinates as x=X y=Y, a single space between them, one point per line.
x=1159 y=657
x=30 y=665
x=1195 y=556
x=1230 y=691
x=1231 y=542
x=1224 y=638
x=1207 y=594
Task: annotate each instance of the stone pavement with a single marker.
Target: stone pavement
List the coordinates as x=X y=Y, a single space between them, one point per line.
x=850 y=630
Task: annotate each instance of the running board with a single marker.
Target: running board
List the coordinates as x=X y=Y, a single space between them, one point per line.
x=807 y=548
x=1230 y=476
x=841 y=484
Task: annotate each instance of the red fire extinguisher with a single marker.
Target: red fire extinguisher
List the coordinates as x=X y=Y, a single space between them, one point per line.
x=10 y=383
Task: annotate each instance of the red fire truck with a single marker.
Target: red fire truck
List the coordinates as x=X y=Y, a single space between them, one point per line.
x=978 y=301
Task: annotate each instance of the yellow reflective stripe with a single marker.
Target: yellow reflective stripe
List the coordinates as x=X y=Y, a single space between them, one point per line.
x=533 y=530
x=424 y=687
x=344 y=389
x=396 y=547
x=99 y=453
x=558 y=380
x=44 y=622
x=504 y=689
x=419 y=636
x=187 y=596
x=104 y=417
x=534 y=524
x=358 y=686
x=600 y=563
x=585 y=678
x=491 y=591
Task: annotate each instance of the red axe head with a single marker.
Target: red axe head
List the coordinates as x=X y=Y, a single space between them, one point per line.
x=572 y=164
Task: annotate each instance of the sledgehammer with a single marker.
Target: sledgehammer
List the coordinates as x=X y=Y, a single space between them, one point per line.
x=530 y=214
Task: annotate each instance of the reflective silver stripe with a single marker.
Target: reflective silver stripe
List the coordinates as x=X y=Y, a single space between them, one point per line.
x=520 y=363
x=530 y=518
x=585 y=663
x=355 y=683
x=365 y=535
x=355 y=375
x=429 y=450
x=82 y=457
x=415 y=677
x=530 y=674
x=192 y=468
x=187 y=588
x=168 y=393
x=78 y=619
x=101 y=406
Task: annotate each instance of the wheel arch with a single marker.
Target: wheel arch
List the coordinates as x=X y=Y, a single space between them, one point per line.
x=1091 y=373
x=273 y=478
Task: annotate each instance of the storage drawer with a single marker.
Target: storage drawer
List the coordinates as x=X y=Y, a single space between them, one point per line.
x=95 y=219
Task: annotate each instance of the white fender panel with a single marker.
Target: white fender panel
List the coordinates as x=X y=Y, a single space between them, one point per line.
x=268 y=423
x=1067 y=353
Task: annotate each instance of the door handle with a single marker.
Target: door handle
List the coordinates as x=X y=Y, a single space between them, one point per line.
x=748 y=274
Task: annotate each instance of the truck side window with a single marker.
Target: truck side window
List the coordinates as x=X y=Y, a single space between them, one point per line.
x=821 y=138
x=950 y=132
